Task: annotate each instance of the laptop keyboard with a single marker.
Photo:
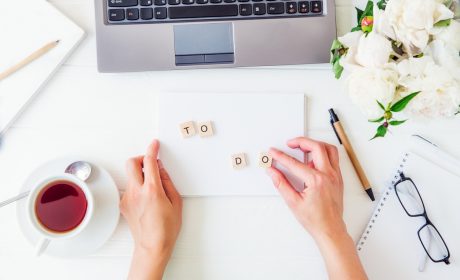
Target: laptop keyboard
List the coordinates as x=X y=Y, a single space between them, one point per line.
x=161 y=11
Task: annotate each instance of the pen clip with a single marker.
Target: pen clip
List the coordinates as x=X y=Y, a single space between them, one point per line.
x=335 y=131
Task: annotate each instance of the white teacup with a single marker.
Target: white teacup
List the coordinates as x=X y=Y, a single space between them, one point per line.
x=46 y=234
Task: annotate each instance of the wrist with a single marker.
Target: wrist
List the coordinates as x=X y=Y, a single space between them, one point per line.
x=148 y=264
x=340 y=255
x=332 y=235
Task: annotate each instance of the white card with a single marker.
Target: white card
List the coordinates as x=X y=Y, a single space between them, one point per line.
x=242 y=123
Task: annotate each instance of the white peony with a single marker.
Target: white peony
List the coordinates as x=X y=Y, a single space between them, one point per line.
x=411 y=22
x=382 y=23
x=373 y=50
x=350 y=41
x=445 y=56
x=450 y=35
x=364 y=50
x=367 y=85
x=439 y=92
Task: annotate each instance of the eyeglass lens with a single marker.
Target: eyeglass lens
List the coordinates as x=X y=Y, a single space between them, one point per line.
x=433 y=243
x=410 y=198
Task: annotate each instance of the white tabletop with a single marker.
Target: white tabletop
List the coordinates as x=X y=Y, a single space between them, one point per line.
x=110 y=117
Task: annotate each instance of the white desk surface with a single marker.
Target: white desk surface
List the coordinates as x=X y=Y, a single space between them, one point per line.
x=110 y=117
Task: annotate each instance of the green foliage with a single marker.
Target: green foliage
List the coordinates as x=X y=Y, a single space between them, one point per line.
x=382 y=4
x=337 y=51
x=397 y=122
x=337 y=69
x=387 y=118
x=401 y=104
x=381 y=132
x=381 y=105
x=377 y=119
x=443 y=23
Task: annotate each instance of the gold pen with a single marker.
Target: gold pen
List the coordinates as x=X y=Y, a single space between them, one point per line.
x=343 y=139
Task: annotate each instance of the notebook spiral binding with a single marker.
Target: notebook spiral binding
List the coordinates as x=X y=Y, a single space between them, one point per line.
x=381 y=203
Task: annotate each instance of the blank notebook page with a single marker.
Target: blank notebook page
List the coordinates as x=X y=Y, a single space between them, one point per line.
x=26 y=26
x=390 y=248
x=242 y=123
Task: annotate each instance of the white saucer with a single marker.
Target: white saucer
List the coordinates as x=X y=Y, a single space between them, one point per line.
x=100 y=228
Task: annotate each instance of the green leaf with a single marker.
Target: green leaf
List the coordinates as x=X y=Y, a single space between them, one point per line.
x=443 y=23
x=377 y=120
x=382 y=4
x=356 y=28
x=381 y=105
x=401 y=104
x=359 y=14
x=335 y=51
x=395 y=122
x=336 y=45
x=337 y=69
x=381 y=131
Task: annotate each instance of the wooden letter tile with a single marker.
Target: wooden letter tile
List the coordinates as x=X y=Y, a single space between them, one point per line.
x=239 y=161
x=187 y=129
x=265 y=160
x=205 y=129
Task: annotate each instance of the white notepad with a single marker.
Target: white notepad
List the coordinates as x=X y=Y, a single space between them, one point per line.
x=390 y=248
x=26 y=26
x=243 y=123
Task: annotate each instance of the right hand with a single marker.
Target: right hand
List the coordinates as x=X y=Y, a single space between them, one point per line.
x=319 y=207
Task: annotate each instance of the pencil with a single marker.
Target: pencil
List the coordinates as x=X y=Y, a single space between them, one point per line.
x=38 y=53
x=343 y=139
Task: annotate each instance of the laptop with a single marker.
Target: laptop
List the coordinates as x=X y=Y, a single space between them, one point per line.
x=144 y=35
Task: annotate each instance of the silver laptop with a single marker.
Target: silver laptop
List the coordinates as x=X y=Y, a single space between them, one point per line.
x=142 y=35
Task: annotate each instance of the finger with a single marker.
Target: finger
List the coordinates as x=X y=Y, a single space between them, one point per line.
x=151 y=170
x=170 y=188
x=289 y=194
x=296 y=167
x=333 y=155
x=134 y=170
x=316 y=148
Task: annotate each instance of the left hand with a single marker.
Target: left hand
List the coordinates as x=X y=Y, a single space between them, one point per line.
x=153 y=209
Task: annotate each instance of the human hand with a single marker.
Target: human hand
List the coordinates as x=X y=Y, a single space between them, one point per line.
x=319 y=207
x=153 y=209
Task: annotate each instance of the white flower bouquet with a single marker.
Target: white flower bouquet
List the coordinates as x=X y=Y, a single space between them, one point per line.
x=403 y=56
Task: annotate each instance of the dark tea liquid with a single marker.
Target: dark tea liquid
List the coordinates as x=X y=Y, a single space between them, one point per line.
x=61 y=206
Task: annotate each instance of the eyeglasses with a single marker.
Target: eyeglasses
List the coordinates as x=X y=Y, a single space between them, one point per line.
x=432 y=241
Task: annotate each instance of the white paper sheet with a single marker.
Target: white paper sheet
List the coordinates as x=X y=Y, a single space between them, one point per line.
x=243 y=123
x=25 y=27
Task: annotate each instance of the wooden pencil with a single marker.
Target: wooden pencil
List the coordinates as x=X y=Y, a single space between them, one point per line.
x=38 y=53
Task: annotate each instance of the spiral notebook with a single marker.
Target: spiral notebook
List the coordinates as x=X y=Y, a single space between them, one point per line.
x=389 y=247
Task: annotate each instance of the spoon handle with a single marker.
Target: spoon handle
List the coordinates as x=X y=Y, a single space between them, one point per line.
x=13 y=199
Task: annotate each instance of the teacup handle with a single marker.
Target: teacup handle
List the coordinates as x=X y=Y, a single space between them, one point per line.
x=41 y=246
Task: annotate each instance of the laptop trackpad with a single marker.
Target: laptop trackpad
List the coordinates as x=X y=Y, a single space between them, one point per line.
x=208 y=43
